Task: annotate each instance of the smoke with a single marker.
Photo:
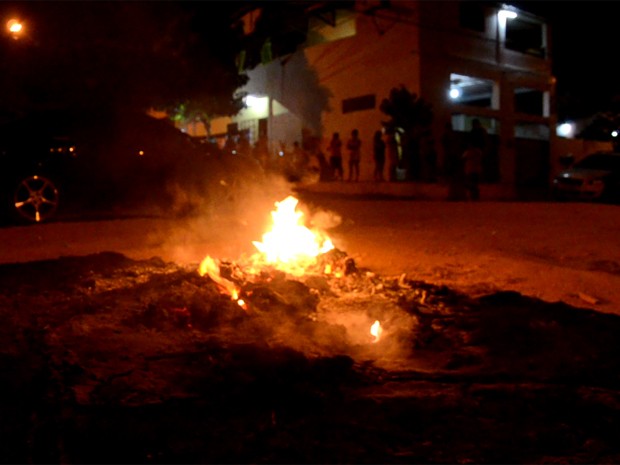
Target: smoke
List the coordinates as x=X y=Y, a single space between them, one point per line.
x=325 y=220
x=222 y=218
x=313 y=319
x=229 y=210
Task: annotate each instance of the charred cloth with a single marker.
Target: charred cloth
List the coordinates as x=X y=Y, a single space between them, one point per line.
x=111 y=360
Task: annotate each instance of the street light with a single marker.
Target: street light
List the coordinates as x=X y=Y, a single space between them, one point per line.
x=15 y=27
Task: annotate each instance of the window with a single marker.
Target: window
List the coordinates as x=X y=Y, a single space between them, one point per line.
x=529 y=101
x=534 y=131
x=461 y=122
x=471 y=16
x=525 y=35
x=473 y=91
x=364 y=102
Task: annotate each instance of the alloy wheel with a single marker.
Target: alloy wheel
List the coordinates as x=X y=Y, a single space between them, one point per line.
x=36 y=199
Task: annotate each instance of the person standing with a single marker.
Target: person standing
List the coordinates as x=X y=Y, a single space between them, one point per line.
x=478 y=135
x=335 y=158
x=452 y=162
x=472 y=165
x=379 y=155
x=354 y=146
x=391 y=153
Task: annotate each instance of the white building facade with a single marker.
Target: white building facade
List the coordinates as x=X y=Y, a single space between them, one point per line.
x=467 y=59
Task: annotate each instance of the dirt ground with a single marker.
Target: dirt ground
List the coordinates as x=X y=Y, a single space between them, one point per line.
x=114 y=357
x=558 y=252
x=110 y=360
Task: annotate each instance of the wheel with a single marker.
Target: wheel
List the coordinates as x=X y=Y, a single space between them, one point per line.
x=36 y=199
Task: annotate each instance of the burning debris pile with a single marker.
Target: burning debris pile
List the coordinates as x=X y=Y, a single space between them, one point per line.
x=294 y=355
x=298 y=272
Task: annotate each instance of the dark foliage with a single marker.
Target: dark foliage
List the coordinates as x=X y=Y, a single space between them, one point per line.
x=412 y=116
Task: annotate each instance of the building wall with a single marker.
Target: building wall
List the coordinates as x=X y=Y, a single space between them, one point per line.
x=448 y=48
x=314 y=81
x=382 y=55
x=418 y=44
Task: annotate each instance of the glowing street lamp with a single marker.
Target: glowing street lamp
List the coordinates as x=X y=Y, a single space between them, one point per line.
x=15 y=27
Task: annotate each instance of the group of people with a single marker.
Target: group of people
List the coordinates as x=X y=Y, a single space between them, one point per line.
x=354 y=147
x=463 y=158
x=385 y=148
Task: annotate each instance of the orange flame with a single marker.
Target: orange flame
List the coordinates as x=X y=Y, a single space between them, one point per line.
x=376 y=330
x=290 y=246
x=209 y=267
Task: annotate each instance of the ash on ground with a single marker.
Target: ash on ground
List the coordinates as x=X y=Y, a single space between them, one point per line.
x=109 y=360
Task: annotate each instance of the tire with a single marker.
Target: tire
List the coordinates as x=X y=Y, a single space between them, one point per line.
x=35 y=199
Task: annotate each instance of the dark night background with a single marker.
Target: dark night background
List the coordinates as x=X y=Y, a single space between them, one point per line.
x=583 y=53
x=132 y=51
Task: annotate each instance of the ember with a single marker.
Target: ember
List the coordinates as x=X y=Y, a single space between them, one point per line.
x=209 y=267
x=376 y=330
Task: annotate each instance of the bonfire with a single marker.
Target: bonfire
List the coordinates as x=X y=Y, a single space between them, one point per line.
x=290 y=247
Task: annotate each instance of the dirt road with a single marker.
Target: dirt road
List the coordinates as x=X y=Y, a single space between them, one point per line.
x=555 y=252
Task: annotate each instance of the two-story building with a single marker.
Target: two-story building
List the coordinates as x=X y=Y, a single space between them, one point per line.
x=467 y=59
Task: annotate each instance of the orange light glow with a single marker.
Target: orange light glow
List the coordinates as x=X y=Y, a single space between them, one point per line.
x=211 y=268
x=376 y=330
x=14 y=26
x=290 y=246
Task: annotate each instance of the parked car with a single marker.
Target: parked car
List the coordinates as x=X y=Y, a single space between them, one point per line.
x=595 y=177
x=71 y=160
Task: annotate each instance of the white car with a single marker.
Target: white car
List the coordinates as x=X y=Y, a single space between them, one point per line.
x=594 y=177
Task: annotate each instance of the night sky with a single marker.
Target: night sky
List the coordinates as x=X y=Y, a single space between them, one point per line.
x=584 y=52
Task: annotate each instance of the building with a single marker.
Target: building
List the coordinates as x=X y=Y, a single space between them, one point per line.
x=469 y=60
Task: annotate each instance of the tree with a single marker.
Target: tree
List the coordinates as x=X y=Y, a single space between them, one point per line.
x=411 y=117
x=168 y=55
